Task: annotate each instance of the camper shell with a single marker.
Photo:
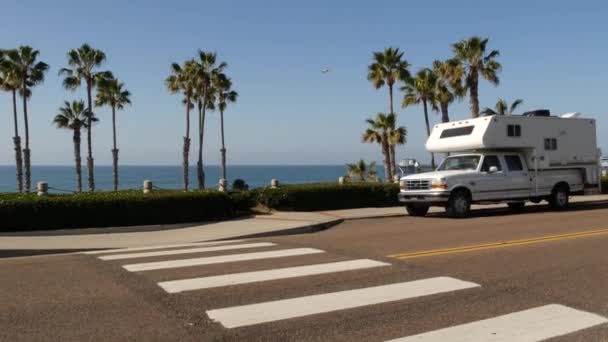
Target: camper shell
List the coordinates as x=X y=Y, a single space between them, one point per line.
x=546 y=142
x=507 y=159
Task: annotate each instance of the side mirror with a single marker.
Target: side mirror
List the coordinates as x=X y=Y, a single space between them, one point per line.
x=493 y=169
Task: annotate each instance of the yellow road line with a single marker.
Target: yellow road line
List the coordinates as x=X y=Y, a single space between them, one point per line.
x=500 y=244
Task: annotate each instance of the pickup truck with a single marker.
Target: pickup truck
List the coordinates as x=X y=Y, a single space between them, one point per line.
x=485 y=178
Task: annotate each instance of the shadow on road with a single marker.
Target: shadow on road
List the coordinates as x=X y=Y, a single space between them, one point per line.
x=541 y=208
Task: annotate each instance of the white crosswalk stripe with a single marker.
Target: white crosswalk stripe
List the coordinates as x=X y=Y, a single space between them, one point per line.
x=531 y=325
x=185 y=251
x=176 y=286
x=147 y=248
x=159 y=265
x=245 y=315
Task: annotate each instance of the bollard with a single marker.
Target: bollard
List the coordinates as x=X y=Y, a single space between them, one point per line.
x=223 y=185
x=274 y=183
x=147 y=186
x=341 y=180
x=42 y=188
x=396 y=179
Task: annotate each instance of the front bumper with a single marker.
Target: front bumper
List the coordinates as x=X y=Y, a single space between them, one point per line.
x=431 y=197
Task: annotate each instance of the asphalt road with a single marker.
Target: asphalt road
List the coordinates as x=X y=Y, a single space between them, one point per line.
x=530 y=276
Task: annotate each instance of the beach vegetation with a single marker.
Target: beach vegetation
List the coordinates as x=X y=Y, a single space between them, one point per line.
x=75 y=117
x=472 y=56
x=29 y=72
x=112 y=93
x=83 y=65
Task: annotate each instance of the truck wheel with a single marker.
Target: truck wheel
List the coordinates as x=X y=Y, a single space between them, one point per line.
x=559 y=197
x=417 y=209
x=517 y=206
x=459 y=204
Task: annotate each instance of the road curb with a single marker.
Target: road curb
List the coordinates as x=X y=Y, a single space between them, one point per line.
x=305 y=229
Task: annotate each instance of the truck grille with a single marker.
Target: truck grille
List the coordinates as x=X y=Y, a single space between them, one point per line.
x=418 y=184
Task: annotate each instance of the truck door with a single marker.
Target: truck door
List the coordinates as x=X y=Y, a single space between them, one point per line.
x=492 y=182
x=518 y=177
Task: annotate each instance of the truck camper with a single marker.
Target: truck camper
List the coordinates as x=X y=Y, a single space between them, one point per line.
x=507 y=159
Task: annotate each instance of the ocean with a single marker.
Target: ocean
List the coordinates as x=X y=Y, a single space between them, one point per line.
x=170 y=177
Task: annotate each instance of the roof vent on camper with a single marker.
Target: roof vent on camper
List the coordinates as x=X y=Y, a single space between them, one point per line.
x=538 y=112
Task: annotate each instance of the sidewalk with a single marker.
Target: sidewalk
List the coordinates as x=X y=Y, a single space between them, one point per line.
x=277 y=223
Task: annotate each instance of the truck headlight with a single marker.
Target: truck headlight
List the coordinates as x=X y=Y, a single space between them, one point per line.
x=439 y=184
x=402 y=185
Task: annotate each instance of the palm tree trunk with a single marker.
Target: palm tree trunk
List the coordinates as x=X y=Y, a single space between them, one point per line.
x=387 y=158
x=393 y=153
x=90 y=163
x=390 y=98
x=445 y=117
x=186 y=149
x=17 y=142
x=428 y=129
x=201 y=130
x=392 y=146
x=77 y=159
x=223 y=150
x=114 y=150
x=474 y=93
x=26 y=150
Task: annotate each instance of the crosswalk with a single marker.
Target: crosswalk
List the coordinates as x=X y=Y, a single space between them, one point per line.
x=197 y=267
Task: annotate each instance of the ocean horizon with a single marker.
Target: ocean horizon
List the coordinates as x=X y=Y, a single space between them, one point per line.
x=62 y=178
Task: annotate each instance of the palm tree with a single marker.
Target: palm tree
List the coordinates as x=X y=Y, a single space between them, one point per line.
x=225 y=95
x=502 y=108
x=396 y=136
x=471 y=53
x=111 y=93
x=29 y=73
x=208 y=71
x=9 y=81
x=421 y=89
x=377 y=132
x=182 y=80
x=82 y=63
x=448 y=88
x=74 y=116
x=388 y=68
x=358 y=169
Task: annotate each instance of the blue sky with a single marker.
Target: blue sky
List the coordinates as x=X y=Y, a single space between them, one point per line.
x=553 y=53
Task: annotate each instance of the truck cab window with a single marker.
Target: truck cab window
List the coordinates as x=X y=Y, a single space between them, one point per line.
x=514 y=163
x=488 y=162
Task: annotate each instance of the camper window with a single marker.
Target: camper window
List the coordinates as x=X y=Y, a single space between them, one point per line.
x=514 y=130
x=514 y=163
x=488 y=162
x=456 y=132
x=550 y=144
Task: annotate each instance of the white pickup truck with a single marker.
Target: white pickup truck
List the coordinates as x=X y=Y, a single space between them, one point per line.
x=511 y=159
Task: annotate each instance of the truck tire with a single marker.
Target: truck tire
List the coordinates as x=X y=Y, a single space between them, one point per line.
x=517 y=206
x=559 y=198
x=417 y=209
x=459 y=204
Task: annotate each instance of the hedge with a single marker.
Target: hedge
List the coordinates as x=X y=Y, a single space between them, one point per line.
x=124 y=208
x=329 y=196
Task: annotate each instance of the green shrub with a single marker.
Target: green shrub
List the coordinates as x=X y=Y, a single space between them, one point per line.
x=124 y=208
x=329 y=196
x=244 y=200
x=605 y=184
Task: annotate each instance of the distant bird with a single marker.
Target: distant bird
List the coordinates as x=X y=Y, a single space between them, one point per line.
x=325 y=71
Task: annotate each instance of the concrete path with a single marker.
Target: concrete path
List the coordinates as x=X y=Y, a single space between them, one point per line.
x=277 y=223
